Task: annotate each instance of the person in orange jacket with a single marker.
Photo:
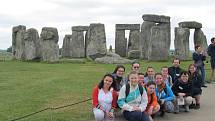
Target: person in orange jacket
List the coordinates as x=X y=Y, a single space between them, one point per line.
x=152 y=106
x=104 y=99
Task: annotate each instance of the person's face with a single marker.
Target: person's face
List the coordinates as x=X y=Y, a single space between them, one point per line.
x=150 y=72
x=176 y=63
x=164 y=71
x=192 y=69
x=184 y=77
x=108 y=81
x=151 y=88
x=136 y=67
x=158 y=79
x=120 y=72
x=141 y=78
x=134 y=79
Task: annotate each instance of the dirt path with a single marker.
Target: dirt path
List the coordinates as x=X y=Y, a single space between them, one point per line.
x=206 y=113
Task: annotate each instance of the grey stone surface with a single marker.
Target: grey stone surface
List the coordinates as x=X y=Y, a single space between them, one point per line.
x=32 y=44
x=18 y=43
x=190 y=24
x=127 y=26
x=134 y=40
x=159 y=45
x=67 y=46
x=49 y=44
x=78 y=47
x=80 y=28
x=182 y=43
x=120 y=43
x=200 y=39
x=156 y=18
x=145 y=36
x=96 y=41
x=112 y=58
x=134 y=54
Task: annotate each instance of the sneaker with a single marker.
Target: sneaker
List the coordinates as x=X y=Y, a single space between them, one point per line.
x=162 y=113
x=204 y=86
x=187 y=109
x=197 y=106
x=192 y=106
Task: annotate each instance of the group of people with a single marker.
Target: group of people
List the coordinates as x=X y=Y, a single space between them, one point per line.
x=141 y=96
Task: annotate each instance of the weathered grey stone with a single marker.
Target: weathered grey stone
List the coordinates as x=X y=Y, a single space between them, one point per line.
x=134 y=54
x=127 y=26
x=96 y=41
x=160 y=42
x=145 y=36
x=18 y=43
x=182 y=43
x=156 y=18
x=200 y=39
x=66 y=49
x=190 y=24
x=112 y=58
x=49 y=44
x=80 y=28
x=134 y=40
x=78 y=47
x=120 y=43
x=32 y=44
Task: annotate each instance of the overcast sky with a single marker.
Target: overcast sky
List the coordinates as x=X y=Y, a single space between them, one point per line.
x=63 y=14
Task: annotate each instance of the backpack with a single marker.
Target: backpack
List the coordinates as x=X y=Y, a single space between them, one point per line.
x=127 y=89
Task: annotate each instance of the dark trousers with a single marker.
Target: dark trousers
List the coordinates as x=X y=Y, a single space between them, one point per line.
x=135 y=116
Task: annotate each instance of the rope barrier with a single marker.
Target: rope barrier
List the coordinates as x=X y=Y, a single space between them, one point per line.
x=49 y=108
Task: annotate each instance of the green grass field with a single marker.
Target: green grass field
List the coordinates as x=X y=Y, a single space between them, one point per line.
x=26 y=87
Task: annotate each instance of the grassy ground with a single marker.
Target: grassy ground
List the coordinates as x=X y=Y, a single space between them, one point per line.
x=26 y=87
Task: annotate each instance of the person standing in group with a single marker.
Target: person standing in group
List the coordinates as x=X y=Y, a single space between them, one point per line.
x=199 y=57
x=153 y=106
x=196 y=80
x=135 y=67
x=211 y=53
x=118 y=75
x=164 y=95
x=166 y=77
x=175 y=70
x=104 y=99
x=150 y=74
x=133 y=99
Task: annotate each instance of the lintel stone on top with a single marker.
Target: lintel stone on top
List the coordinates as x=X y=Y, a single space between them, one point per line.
x=127 y=26
x=190 y=24
x=80 y=28
x=156 y=18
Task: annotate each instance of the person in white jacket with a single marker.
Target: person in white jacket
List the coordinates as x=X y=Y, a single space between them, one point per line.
x=133 y=99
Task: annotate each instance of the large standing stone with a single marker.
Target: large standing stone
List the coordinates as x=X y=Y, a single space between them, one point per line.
x=160 y=42
x=80 y=28
x=31 y=44
x=182 y=43
x=120 y=43
x=127 y=26
x=96 y=41
x=190 y=24
x=200 y=38
x=78 y=47
x=156 y=18
x=66 y=49
x=134 y=44
x=145 y=36
x=18 y=42
x=49 y=44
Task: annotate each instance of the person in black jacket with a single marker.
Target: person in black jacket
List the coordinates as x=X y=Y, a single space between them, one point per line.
x=199 y=58
x=211 y=52
x=196 y=80
x=175 y=70
x=182 y=88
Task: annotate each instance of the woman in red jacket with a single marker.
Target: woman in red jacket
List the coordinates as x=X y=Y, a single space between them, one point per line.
x=105 y=99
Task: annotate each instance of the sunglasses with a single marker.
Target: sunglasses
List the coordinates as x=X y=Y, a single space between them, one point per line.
x=136 y=67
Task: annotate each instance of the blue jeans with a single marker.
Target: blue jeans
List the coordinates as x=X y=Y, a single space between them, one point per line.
x=201 y=70
x=135 y=116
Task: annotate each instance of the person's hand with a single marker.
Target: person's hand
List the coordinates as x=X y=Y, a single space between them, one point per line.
x=136 y=108
x=150 y=110
x=110 y=115
x=101 y=108
x=162 y=101
x=181 y=94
